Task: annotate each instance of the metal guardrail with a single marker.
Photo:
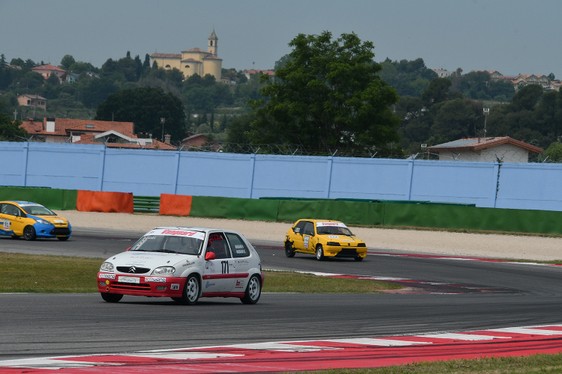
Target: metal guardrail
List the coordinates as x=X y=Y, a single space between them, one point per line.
x=146 y=204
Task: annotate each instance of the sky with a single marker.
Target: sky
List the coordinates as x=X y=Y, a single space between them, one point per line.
x=510 y=36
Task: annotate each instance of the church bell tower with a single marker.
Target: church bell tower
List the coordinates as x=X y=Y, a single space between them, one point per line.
x=213 y=43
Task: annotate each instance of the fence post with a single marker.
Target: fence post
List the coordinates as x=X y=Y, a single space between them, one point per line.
x=252 y=174
x=411 y=179
x=330 y=169
x=102 y=167
x=26 y=158
x=178 y=159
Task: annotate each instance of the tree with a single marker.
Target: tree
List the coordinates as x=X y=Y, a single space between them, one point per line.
x=151 y=109
x=554 y=152
x=67 y=61
x=455 y=119
x=10 y=130
x=328 y=96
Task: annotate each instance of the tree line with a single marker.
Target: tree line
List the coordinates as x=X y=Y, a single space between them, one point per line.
x=328 y=96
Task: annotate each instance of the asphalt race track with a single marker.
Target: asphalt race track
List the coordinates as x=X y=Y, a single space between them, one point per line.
x=443 y=294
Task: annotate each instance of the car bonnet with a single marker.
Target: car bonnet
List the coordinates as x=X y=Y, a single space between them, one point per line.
x=148 y=259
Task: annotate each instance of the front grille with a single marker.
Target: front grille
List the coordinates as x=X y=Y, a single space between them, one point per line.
x=60 y=231
x=131 y=286
x=347 y=252
x=132 y=269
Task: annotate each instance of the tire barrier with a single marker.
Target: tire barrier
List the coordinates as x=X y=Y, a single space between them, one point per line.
x=106 y=202
x=175 y=205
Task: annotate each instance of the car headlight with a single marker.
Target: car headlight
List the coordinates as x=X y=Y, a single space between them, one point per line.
x=107 y=266
x=333 y=244
x=42 y=221
x=164 y=270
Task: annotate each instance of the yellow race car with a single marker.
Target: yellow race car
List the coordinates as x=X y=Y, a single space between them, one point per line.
x=323 y=238
x=32 y=220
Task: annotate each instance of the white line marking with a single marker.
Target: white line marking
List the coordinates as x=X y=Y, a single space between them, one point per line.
x=459 y=336
x=378 y=342
x=527 y=331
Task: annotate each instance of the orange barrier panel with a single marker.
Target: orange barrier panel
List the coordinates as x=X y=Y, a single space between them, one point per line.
x=107 y=202
x=175 y=205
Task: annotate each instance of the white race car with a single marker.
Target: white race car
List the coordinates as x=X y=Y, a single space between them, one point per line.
x=184 y=263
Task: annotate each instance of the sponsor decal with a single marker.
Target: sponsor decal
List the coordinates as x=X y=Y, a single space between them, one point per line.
x=333 y=224
x=129 y=279
x=155 y=279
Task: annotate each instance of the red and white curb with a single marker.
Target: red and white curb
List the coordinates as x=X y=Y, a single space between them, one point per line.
x=289 y=356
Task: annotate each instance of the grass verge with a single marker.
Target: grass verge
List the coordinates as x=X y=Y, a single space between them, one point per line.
x=55 y=274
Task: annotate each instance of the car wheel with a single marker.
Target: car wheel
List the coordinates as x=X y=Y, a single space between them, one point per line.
x=253 y=290
x=111 y=297
x=62 y=238
x=319 y=252
x=358 y=258
x=29 y=233
x=289 y=250
x=191 y=291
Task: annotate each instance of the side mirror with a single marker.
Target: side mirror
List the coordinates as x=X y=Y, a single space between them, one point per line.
x=296 y=230
x=210 y=256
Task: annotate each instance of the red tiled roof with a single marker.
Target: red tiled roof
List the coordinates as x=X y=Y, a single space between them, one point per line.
x=48 y=67
x=63 y=126
x=477 y=144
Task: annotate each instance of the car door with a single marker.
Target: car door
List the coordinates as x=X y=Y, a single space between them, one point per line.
x=5 y=222
x=297 y=237
x=242 y=261
x=220 y=271
x=13 y=219
x=308 y=236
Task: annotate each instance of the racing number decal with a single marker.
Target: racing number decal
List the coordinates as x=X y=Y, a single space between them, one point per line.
x=306 y=240
x=5 y=224
x=224 y=265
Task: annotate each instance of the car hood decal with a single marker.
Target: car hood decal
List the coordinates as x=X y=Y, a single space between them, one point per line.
x=148 y=259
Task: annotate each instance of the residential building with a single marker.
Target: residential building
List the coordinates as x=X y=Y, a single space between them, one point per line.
x=111 y=133
x=33 y=101
x=193 y=61
x=47 y=70
x=490 y=149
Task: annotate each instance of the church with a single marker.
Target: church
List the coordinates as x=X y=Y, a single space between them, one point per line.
x=192 y=61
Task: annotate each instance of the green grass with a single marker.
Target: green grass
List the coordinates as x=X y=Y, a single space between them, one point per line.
x=55 y=274
x=501 y=365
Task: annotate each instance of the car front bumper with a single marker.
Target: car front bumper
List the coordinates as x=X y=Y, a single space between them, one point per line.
x=155 y=286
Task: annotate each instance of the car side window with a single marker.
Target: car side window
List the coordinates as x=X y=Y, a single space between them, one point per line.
x=217 y=244
x=239 y=248
x=299 y=227
x=308 y=228
x=11 y=210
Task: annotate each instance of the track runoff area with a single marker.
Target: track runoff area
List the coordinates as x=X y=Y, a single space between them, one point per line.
x=288 y=356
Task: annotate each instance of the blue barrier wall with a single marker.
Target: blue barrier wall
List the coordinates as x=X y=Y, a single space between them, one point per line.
x=150 y=173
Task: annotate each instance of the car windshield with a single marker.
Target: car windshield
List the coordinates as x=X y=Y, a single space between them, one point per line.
x=333 y=230
x=169 y=244
x=38 y=210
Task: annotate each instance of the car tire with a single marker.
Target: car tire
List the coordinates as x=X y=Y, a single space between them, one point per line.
x=111 y=297
x=358 y=258
x=253 y=290
x=191 y=291
x=319 y=252
x=62 y=238
x=29 y=233
x=289 y=250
